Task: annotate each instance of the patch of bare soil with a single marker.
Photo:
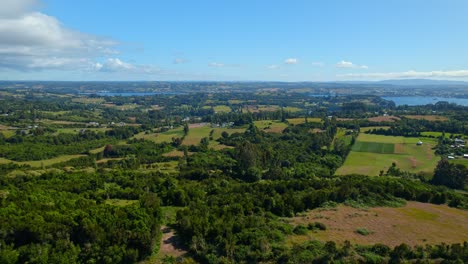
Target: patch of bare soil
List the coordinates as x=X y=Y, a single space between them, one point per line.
x=171 y=244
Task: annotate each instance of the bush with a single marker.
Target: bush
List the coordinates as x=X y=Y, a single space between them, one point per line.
x=316 y=225
x=300 y=230
x=363 y=231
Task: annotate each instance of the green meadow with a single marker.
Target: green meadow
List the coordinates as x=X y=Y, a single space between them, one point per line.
x=373 y=153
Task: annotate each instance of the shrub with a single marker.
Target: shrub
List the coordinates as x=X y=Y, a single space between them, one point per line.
x=316 y=225
x=300 y=230
x=363 y=231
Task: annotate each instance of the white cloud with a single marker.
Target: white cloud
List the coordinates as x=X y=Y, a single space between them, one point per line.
x=117 y=65
x=34 y=41
x=13 y=8
x=291 y=61
x=408 y=74
x=273 y=66
x=350 y=65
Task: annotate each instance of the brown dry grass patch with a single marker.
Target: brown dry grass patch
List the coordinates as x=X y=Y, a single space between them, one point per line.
x=383 y=119
x=414 y=224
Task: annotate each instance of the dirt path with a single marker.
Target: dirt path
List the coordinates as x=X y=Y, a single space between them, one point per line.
x=170 y=244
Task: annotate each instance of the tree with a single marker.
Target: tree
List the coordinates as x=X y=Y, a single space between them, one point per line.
x=186 y=129
x=450 y=175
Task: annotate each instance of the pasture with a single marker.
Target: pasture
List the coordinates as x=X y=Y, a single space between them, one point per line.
x=373 y=153
x=270 y=126
x=414 y=224
x=301 y=120
x=45 y=163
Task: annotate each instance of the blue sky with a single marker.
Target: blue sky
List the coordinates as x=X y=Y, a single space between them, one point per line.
x=233 y=40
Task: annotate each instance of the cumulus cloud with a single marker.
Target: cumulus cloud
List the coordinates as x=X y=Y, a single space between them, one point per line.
x=350 y=65
x=117 y=65
x=13 y=8
x=31 y=40
x=291 y=61
x=408 y=75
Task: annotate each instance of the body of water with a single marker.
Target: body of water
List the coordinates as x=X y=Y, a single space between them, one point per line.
x=424 y=100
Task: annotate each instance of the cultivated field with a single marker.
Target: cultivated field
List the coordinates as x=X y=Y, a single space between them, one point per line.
x=413 y=224
x=373 y=153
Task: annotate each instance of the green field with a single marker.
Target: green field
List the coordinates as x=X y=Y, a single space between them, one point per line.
x=270 y=126
x=301 y=120
x=373 y=153
x=161 y=137
x=40 y=163
x=374 y=147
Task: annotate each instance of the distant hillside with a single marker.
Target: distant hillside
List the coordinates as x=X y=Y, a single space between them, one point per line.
x=419 y=82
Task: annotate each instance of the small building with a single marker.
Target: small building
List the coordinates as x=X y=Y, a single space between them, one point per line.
x=419 y=143
x=450 y=157
x=465 y=156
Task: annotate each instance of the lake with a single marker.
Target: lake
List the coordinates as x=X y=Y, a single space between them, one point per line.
x=424 y=100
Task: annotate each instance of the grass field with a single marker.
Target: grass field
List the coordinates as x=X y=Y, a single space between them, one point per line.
x=372 y=153
x=374 y=147
x=460 y=161
x=40 y=163
x=413 y=224
x=161 y=137
x=8 y=133
x=270 y=126
x=301 y=120
x=222 y=109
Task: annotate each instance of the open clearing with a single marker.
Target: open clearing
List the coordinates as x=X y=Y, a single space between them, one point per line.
x=373 y=153
x=270 y=126
x=301 y=120
x=40 y=163
x=413 y=224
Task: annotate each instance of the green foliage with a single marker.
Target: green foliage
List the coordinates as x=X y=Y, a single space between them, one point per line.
x=363 y=231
